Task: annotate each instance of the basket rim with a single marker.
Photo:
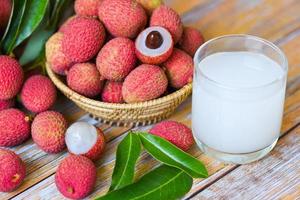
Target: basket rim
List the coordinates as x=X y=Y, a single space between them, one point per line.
x=74 y=95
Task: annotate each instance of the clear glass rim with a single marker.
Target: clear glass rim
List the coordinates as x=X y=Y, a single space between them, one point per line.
x=281 y=54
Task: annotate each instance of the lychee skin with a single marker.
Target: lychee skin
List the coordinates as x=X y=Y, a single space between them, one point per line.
x=5 y=104
x=66 y=23
x=75 y=177
x=83 y=38
x=87 y=8
x=38 y=93
x=191 y=40
x=116 y=59
x=12 y=170
x=169 y=19
x=96 y=152
x=175 y=132
x=5 y=7
x=59 y=62
x=144 y=83
x=85 y=79
x=14 y=127
x=179 y=68
x=11 y=77
x=112 y=92
x=48 y=131
x=122 y=18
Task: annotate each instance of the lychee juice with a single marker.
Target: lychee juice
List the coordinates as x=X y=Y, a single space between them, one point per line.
x=238 y=101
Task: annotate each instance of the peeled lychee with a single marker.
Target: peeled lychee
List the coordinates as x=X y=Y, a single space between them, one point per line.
x=83 y=38
x=175 y=132
x=116 y=59
x=154 y=45
x=86 y=140
x=58 y=61
x=112 y=92
x=169 y=19
x=14 y=127
x=38 y=93
x=48 y=131
x=5 y=7
x=179 y=68
x=11 y=77
x=85 y=79
x=87 y=8
x=12 y=170
x=191 y=40
x=146 y=82
x=122 y=18
x=76 y=177
x=150 y=5
x=5 y=104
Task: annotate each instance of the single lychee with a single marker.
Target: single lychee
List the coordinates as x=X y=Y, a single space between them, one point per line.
x=146 y=82
x=154 y=45
x=112 y=92
x=5 y=104
x=12 y=170
x=191 y=40
x=179 y=68
x=58 y=61
x=150 y=5
x=11 y=77
x=116 y=59
x=5 y=7
x=86 y=140
x=83 y=38
x=75 y=177
x=122 y=18
x=166 y=17
x=87 y=8
x=48 y=131
x=14 y=127
x=85 y=79
x=38 y=93
x=175 y=132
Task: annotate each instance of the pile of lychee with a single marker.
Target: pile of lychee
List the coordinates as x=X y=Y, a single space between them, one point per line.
x=123 y=51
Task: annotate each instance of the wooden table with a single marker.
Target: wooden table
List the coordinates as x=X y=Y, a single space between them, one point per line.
x=275 y=177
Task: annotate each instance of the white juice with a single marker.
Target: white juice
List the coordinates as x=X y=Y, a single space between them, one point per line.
x=239 y=110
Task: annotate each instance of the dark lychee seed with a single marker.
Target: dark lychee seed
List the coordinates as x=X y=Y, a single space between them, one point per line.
x=154 y=40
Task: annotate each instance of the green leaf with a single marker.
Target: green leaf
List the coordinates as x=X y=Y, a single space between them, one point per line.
x=163 y=183
x=127 y=154
x=169 y=154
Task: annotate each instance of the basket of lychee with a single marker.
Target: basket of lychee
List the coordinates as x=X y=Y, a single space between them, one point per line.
x=123 y=61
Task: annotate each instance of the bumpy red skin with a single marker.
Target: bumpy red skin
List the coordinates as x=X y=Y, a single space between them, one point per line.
x=169 y=19
x=112 y=92
x=12 y=170
x=38 y=93
x=11 y=77
x=85 y=79
x=5 y=104
x=175 y=132
x=96 y=152
x=87 y=8
x=116 y=59
x=75 y=177
x=144 y=83
x=66 y=23
x=179 y=68
x=5 y=7
x=122 y=18
x=153 y=60
x=14 y=127
x=191 y=40
x=48 y=131
x=83 y=38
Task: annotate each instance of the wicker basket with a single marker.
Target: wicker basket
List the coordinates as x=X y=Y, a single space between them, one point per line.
x=133 y=114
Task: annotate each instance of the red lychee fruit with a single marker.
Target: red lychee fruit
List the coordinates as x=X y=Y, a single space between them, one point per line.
x=86 y=140
x=48 y=131
x=5 y=104
x=66 y=23
x=112 y=92
x=12 y=170
x=14 y=127
x=83 y=38
x=191 y=40
x=75 y=177
x=5 y=7
x=11 y=77
x=122 y=18
x=116 y=59
x=169 y=19
x=146 y=82
x=179 y=68
x=87 y=8
x=175 y=132
x=85 y=79
x=38 y=93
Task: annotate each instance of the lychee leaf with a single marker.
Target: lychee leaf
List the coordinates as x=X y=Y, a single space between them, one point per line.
x=162 y=183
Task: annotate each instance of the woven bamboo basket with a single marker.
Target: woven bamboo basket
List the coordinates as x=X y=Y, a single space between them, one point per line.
x=133 y=114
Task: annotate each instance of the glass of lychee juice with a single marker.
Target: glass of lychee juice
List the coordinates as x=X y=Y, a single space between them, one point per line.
x=238 y=97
